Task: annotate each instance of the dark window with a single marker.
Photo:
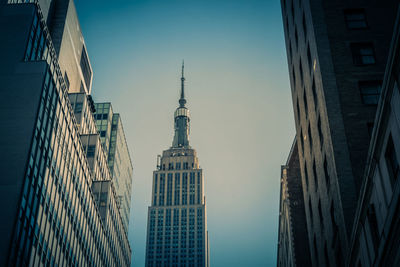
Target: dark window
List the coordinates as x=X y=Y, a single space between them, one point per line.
x=78 y=107
x=326 y=173
x=290 y=51
x=294 y=78
x=85 y=67
x=391 y=161
x=363 y=53
x=373 y=224
x=355 y=19
x=305 y=103
x=90 y=151
x=310 y=63
x=306 y=174
x=296 y=38
x=304 y=26
x=301 y=72
x=298 y=111
x=302 y=140
x=103 y=133
x=370 y=91
x=314 y=92
x=315 y=175
x=66 y=80
x=105 y=116
x=310 y=136
x=321 y=135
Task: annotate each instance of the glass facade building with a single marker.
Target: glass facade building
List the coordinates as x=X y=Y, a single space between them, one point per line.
x=113 y=139
x=52 y=216
x=177 y=222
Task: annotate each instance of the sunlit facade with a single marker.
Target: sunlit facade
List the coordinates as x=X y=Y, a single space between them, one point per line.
x=177 y=221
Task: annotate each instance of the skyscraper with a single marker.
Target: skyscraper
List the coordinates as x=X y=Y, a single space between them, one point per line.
x=337 y=52
x=177 y=221
x=61 y=202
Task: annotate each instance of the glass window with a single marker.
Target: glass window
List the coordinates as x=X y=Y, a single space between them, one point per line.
x=370 y=91
x=363 y=53
x=355 y=19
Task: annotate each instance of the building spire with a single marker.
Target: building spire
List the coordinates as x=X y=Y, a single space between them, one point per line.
x=182 y=100
x=182 y=119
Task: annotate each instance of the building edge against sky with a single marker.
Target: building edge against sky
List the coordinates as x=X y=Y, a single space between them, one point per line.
x=177 y=220
x=63 y=205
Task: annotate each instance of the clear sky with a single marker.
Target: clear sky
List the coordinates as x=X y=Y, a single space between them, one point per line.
x=238 y=93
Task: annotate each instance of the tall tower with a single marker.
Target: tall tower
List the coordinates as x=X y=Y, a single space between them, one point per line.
x=177 y=221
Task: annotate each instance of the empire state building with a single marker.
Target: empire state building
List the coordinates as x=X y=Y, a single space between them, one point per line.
x=177 y=221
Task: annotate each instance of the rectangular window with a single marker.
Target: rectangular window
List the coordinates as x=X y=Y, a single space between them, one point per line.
x=90 y=151
x=363 y=53
x=355 y=19
x=66 y=80
x=391 y=161
x=85 y=67
x=315 y=175
x=370 y=91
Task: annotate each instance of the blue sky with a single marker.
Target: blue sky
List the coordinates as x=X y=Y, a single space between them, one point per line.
x=238 y=94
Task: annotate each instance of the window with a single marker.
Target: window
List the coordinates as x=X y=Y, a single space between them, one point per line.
x=294 y=78
x=85 y=67
x=306 y=174
x=363 y=53
x=298 y=111
x=296 y=38
x=66 y=80
x=314 y=92
x=327 y=178
x=321 y=135
x=355 y=19
x=309 y=59
x=315 y=175
x=302 y=140
x=90 y=151
x=310 y=136
x=370 y=91
x=304 y=26
x=391 y=161
x=301 y=72
x=305 y=103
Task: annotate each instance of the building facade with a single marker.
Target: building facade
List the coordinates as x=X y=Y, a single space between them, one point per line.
x=119 y=161
x=376 y=231
x=177 y=221
x=52 y=216
x=292 y=234
x=337 y=52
